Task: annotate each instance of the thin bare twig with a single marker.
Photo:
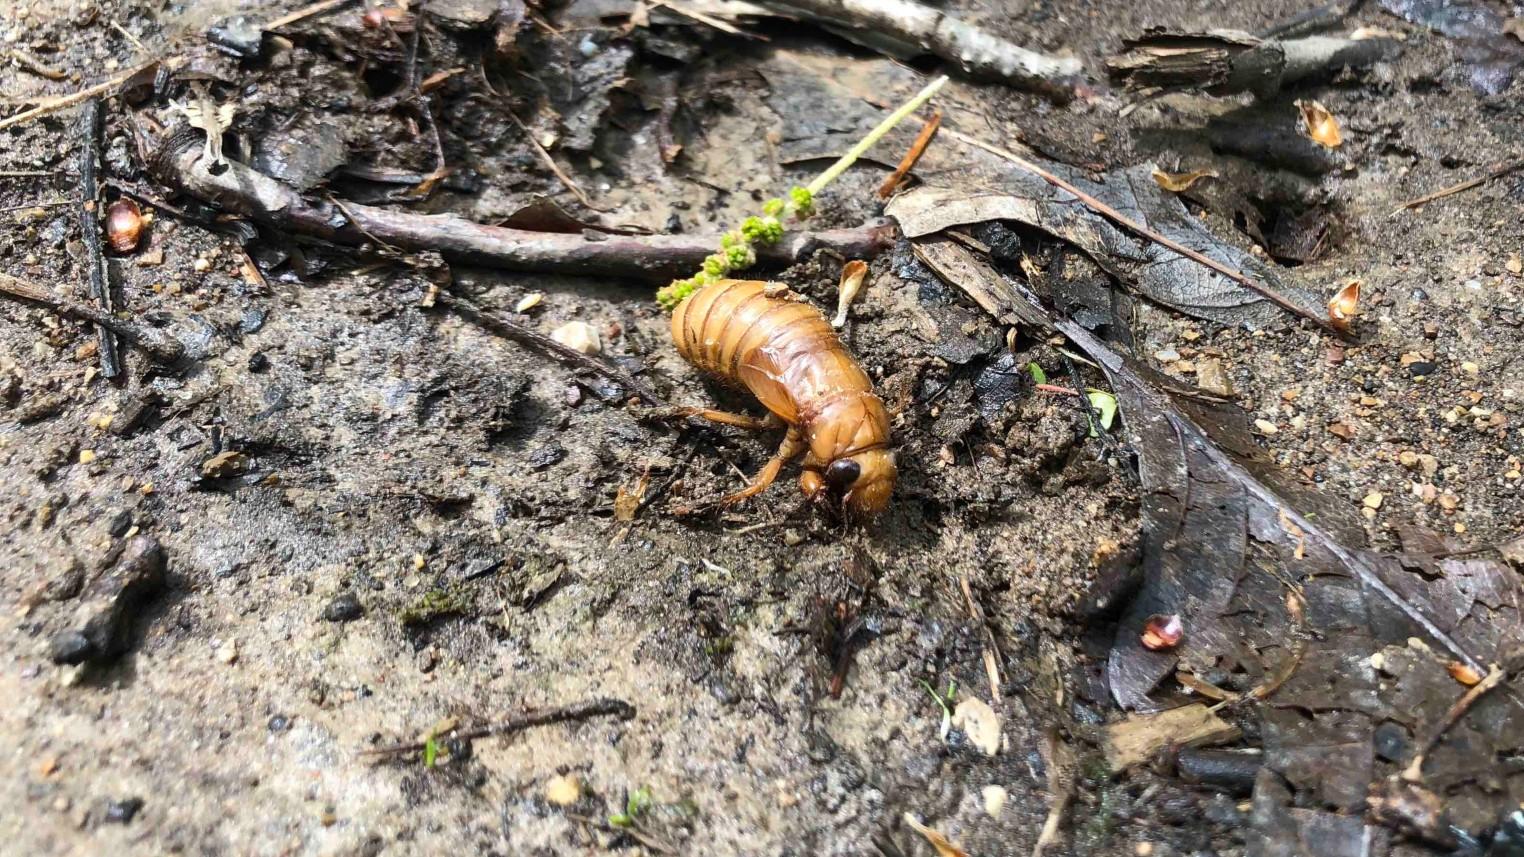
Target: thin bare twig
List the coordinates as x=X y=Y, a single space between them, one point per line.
x=29 y=205
x=991 y=662
x=907 y=163
x=1134 y=226
x=1414 y=771
x=161 y=348
x=702 y=18
x=52 y=105
x=1463 y=186
x=518 y=332
x=90 y=232
x=534 y=717
x=306 y=12
x=27 y=62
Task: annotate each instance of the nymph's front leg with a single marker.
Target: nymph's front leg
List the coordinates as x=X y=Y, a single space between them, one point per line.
x=793 y=444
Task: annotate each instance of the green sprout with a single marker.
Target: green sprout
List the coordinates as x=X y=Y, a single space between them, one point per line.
x=1038 y=376
x=1105 y=405
x=944 y=702
x=737 y=247
x=430 y=752
x=637 y=803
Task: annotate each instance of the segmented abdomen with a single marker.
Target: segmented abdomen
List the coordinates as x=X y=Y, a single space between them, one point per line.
x=781 y=348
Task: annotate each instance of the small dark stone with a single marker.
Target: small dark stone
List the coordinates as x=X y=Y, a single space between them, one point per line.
x=1422 y=367
x=1391 y=741
x=70 y=647
x=252 y=321
x=279 y=723
x=1420 y=295
x=239 y=35
x=1369 y=386
x=345 y=607
x=546 y=456
x=120 y=523
x=674 y=223
x=258 y=362
x=123 y=811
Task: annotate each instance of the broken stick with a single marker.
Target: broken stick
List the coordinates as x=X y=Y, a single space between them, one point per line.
x=649 y=258
x=90 y=231
x=161 y=348
x=1222 y=62
x=905 y=28
x=579 y=711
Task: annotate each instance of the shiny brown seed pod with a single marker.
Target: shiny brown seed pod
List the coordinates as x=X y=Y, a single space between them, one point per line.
x=1162 y=632
x=124 y=225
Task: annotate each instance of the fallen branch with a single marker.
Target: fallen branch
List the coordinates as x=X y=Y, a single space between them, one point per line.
x=541 y=717
x=906 y=29
x=161 y=348
x=90 y=232
x=546 y=345
x=1223 y=62
x=650 y=258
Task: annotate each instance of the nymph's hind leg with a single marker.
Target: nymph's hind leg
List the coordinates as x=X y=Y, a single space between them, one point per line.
x=793 y=444
x=726 y=418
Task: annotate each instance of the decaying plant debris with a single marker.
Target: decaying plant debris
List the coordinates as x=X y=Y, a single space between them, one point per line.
x=353 y=508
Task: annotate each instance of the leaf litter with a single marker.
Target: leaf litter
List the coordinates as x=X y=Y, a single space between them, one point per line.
x=1280 y=601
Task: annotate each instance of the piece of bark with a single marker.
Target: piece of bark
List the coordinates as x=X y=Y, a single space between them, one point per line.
x=649 y=258
x=905 y=29
x=1222 y=62
x=1134 y=740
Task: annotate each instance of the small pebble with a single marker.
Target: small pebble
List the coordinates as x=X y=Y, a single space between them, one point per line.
x=1265 y=426
x=123 y=811
x=578 y=336
x=994 y=800
x=345 y=607
x=201 y=265
x=1422 y=368
x=564 y=790
x=1373 y=500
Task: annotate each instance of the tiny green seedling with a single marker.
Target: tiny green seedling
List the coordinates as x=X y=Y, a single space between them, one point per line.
x=737 y=247
x=637 y=803
x=1105 y=405
x=430 y=752
x=944 y=702
x=1038 y=376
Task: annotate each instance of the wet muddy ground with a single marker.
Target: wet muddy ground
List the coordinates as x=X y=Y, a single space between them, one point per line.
x=420 y=521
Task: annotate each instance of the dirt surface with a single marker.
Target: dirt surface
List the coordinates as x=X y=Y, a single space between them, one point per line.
x=420 y=523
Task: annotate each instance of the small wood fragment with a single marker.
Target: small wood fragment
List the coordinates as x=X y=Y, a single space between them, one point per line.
x=1135 y=739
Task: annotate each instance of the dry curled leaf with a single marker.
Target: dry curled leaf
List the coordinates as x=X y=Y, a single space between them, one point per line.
x=1319 y=125
x=1181 y=182
x=1344 y=305
x=851 y=283
x=943 y=845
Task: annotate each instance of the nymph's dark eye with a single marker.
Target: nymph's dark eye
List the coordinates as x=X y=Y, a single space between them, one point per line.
x=842 y=473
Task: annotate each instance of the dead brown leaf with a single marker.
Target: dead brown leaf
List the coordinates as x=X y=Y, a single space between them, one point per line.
x=1181 y=182
x=1344 y=305
x=943 y=845
x=1319 y=125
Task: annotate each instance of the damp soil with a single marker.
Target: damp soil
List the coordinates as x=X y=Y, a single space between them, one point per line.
x=422 y=523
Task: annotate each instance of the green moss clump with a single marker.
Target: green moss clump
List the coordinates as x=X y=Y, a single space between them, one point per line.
x=437 y=603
